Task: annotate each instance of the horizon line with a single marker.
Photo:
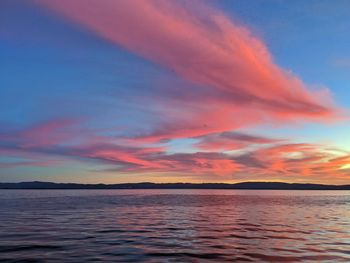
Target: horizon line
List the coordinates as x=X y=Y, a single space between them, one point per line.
x=261 y=185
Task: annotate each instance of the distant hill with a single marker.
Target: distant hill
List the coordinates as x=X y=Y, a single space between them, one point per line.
x=244 y=185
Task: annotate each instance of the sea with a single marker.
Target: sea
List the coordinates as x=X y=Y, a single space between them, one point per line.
x=174 y=226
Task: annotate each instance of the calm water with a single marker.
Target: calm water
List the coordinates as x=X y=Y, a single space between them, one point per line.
x=174 y=226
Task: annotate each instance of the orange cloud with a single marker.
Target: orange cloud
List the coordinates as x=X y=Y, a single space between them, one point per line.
x=301 y=159
x=37 y=146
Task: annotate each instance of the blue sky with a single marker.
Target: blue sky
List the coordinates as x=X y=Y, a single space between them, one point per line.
x=104 y=98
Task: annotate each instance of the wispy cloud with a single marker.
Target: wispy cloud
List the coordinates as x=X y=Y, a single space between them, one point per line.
x=241 y=84
x=269 y=157
x=227 y=79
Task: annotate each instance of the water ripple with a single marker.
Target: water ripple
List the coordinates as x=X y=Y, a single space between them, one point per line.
x=174 y=226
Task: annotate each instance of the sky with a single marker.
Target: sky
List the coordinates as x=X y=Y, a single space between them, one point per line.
x=106 y=91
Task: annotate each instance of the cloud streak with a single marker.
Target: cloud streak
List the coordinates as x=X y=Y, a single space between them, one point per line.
x=203 y=46
x=269 y=157
x=223 y=79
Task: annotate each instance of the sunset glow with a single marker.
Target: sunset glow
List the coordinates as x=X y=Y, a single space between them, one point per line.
x=173 y=91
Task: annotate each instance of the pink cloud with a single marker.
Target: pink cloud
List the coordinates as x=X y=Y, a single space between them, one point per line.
x=268 y=158
x=203 y=46
x=48 y=133
x=300 y=160
x=234 y=83
x=45 y=134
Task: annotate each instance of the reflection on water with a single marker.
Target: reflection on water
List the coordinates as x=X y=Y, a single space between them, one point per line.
x=174 y=225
